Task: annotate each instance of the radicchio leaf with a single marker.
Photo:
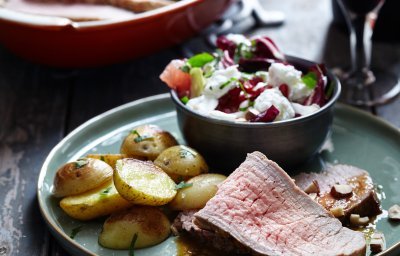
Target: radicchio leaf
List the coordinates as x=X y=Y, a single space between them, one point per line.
x=249 y=87
x=229 y=103
x=266 y=48
x=227 y=60
x=318 y=96
x=284 y=88
x=225 y=44
x=267 y=116
x=255 y=64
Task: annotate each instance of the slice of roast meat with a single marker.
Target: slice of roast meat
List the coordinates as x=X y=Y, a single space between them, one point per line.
x=261 y=208
x=363 y=200
x=184 y=225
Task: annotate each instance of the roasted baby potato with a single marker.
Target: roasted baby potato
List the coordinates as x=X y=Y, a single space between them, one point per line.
x=110 y=159
x=101 y=201
x=143 y=182
x=181 y=162
x=199 y=190
x=147 y=141
x=148 y=224
x=80 y=176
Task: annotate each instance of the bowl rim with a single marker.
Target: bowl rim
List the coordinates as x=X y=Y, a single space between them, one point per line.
x=287 y=122
x=51 y=22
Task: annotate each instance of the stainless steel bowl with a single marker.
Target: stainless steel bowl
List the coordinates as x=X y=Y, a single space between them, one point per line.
x=225 y=144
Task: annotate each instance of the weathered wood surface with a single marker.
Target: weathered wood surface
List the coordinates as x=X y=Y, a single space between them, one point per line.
x=40 y=105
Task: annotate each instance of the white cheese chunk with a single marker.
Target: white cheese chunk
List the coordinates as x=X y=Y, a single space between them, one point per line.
x=274 y=97
x=221 y=81
x=286 y=74
x=305 y=110
x=202 y=104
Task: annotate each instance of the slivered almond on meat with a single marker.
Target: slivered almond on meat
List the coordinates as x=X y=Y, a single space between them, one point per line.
x=356 y=220
x=313 y=196
x=377 y=243
x=341 y=191
x=312 y=188
x=394 y=212
x=337 y=212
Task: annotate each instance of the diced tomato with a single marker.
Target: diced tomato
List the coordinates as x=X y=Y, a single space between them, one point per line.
x=175 y=78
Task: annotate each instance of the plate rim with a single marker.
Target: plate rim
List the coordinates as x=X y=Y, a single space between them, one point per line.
x=58 y=233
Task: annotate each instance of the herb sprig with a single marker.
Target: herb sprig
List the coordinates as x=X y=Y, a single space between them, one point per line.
x=132 y=245
x=75 y=231
x=81 y=162
x=183 y=184
x=232 y=79
x=105 y=191
x=310 y=80
x=140 y=138
x=184 y=153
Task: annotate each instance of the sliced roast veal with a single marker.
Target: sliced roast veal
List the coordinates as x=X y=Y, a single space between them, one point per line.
x=184 y=225
x=261 y=208
x=363 y=200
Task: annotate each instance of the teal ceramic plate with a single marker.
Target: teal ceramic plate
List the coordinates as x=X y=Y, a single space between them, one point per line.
x=358 y=139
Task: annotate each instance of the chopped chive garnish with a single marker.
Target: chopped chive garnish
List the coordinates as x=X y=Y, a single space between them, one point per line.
x=75 y=231
x=243 y=109
x=81 y=162
x=132 y=245
x=222 y=86
x=183 y=184
x=242 y=88
x=140 y=138
x=106 y=191
x=183 y=153
x=185 y=68
x=185 y=99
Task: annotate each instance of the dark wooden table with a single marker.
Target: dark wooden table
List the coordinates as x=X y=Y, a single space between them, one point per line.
x=39 y=105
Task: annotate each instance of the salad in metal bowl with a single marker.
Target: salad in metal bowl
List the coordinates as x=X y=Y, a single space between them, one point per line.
x=247 y=80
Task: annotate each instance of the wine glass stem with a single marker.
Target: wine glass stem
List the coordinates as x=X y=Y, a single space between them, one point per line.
x=360 y=43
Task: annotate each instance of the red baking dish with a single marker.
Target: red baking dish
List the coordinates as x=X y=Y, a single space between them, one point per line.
x=62 y=42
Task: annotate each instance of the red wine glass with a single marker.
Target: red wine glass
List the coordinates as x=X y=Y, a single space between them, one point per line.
x=365 y=87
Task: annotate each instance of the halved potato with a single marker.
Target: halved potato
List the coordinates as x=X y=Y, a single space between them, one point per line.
x=80 y=176
x=99 y=202
x=147 y=141
x=143 y=182
x=110 y=159
x=201 y=189
x=149 y=224
x=181 y=162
